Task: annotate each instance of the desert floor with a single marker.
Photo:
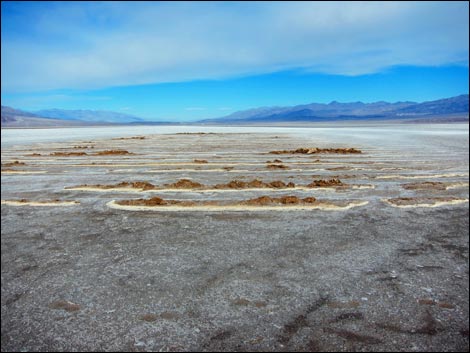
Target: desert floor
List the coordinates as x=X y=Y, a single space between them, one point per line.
x=376 y=263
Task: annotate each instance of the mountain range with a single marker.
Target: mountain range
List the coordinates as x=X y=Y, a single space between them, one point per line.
x=101 y=116
x=18 y=118
x=334 y=111
x=61 y=117
x=442 y=110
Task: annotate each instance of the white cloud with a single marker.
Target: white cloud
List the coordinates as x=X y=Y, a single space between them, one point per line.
x=94 y=46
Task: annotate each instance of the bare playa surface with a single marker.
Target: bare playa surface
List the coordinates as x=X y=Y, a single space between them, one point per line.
x=104 y=247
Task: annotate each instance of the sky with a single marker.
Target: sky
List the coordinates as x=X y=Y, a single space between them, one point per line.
x=193 y=60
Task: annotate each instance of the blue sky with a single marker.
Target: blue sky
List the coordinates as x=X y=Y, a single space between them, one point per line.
x=187 y=61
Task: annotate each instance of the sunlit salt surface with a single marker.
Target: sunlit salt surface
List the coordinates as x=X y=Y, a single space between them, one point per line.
x=397 y=133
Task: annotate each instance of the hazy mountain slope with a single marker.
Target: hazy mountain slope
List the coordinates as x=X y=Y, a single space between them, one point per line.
x=458 y=104
x=89 y=115
x=33 y=122
x=12 y=117
x=10 y=114
x=348 y=111
x=18 y=118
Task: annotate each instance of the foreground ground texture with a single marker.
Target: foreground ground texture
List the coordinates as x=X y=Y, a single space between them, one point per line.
x=378 y=262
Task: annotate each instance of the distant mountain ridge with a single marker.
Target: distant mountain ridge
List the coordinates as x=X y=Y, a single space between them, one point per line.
x=348 y=111
x=452 y=109
x=458 y=104
x=12 y=117
x=18 y=118
x=9 y=114
x=89 y=115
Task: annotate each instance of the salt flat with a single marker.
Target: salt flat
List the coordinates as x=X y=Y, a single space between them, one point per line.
x=390 y=272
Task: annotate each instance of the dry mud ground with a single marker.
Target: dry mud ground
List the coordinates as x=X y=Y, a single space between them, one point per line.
x=80 y=275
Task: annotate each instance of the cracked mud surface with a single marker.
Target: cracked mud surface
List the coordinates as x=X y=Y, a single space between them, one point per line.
x=368 y=278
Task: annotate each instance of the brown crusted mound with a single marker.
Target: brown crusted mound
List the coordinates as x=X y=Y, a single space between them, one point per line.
x=134 y=184
x=426 y=185
x=277 y=166
x=315 y=150
x=13 y=164
x=125 y=184
x=228 y=168
x=289 y=200
x=275 y=161
x=338 y=168
x=337 y=176
x=285 y=200
x=189 y=184
x=281 y=184
x=138 y=185
x=259 y=201
x=184 y=184
x=68 y=154
x=255 y=183
x=33 y=155
x=83 y=147
x=262 y=200
x=404 y=201
x=130 y=138
x=149 y=317
x=234 y=184
x=111 y=152
x=64 y=305
x=154 y=201
x=200 y=161
x=325 y=183
x=45 y=201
